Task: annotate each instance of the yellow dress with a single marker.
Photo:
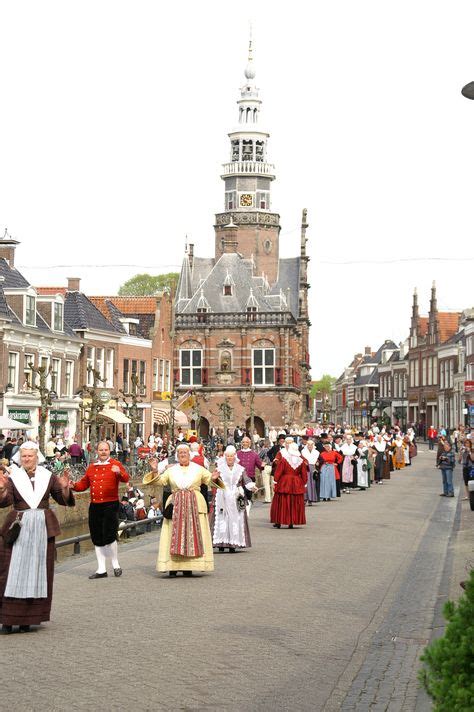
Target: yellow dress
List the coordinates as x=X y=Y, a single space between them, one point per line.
x=191 y=477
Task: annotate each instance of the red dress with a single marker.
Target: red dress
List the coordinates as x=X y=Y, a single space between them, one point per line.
x=288 y=501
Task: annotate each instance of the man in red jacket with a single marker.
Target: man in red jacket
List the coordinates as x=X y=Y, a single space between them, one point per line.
x=432 y=434
x=103 y=477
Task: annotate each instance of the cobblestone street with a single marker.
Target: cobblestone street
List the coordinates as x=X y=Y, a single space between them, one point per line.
x=328 y=617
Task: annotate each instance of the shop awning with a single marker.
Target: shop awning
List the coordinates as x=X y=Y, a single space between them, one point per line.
x=115 y=415
x=162 y=416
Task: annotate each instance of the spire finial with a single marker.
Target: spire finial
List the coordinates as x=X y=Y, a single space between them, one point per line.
x=186 y=243
x=249 y=69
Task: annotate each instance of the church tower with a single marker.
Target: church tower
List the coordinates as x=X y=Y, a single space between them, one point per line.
x=247 y=180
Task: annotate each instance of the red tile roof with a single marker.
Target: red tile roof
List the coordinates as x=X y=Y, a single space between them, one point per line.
x=127 y=305
x=448 y=325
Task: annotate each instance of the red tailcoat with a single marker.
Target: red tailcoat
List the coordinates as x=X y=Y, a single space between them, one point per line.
x=103 y=482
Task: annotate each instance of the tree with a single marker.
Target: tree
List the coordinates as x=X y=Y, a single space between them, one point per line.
x=448 y=675
x=143 y=284
x=323 y=386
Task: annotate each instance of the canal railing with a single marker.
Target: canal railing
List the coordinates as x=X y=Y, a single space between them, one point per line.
x=141 y=526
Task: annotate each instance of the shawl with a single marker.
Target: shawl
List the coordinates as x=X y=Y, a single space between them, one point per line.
x=311 y=456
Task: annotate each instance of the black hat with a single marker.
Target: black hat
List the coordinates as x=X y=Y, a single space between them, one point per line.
x=281 y=435
x=124 y=499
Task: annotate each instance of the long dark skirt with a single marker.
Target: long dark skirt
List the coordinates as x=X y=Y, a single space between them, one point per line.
x=103 y=522
x=287 y=509
x=25 y=611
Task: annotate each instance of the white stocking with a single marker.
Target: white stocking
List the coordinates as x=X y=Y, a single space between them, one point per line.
x=100 y=554
x=112 y=551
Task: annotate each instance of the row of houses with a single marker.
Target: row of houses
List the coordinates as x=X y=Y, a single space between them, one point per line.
x=426 y=380
x=69 y=333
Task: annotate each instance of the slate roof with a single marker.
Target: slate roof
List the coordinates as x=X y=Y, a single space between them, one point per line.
x=13 y=279
x=5 y=311
x=205 y=279
x=369 y=379
x=80 y=314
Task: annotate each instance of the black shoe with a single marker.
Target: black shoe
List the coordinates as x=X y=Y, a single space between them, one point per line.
x=290 y=526
x=25 y=629
x=231 y=550
x=118 y=572
x=443 y=495
x=173 y=574
x=221 y=549
x=6 y=629
x=277 y=526
x=450 y=495
x=187 y=573
x=96 y=575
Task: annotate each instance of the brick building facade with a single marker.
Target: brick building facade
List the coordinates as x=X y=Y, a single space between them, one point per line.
x=241 y=316
x=34 y=332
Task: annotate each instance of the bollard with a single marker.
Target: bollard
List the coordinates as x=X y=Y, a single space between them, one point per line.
x=77 y=547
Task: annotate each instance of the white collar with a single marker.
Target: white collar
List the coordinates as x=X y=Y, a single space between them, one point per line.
x=106 y=462
x=310 y=455
x=293 y=460
x=380 y=446
x=245 y=449
x=31 y=494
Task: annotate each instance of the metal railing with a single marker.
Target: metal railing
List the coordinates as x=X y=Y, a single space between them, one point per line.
x=144 y=525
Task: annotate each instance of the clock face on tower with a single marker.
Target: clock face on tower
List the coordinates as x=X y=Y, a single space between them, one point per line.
x=246 y=200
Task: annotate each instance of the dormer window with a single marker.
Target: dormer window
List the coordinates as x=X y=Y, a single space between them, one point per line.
x=251 y=307
x=58 y=316
x=30 y=310
x=251 y=313
x=228 y=285
x=203 y=307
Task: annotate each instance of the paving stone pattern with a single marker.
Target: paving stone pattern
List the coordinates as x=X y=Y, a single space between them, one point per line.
x=326 y=617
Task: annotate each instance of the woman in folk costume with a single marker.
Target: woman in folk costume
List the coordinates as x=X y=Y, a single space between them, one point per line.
x=291 y=475
x=328 y=461
x=229 y=521
x=185 y=541
x=311 y=455
x=349 y=464
x=381 y=456
x=406 y=440
x=398 y=453
x=363 y=465
x=412 y=448
x=27 y=563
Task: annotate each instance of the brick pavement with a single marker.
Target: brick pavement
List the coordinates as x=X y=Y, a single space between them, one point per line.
x=327 y=617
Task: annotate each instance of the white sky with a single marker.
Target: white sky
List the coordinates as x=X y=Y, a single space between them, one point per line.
x=113 y=128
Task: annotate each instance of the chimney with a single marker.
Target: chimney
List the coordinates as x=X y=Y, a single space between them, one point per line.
x=229 y=239
x=368 y=351
x=73 y=284
x=7 y=248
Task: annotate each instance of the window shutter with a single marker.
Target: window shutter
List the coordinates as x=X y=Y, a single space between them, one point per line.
x=176 y=376
x=204 y=376
x=278 y=376
x=246 y=376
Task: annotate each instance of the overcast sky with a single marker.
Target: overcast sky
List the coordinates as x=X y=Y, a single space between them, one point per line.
x=113 y=128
